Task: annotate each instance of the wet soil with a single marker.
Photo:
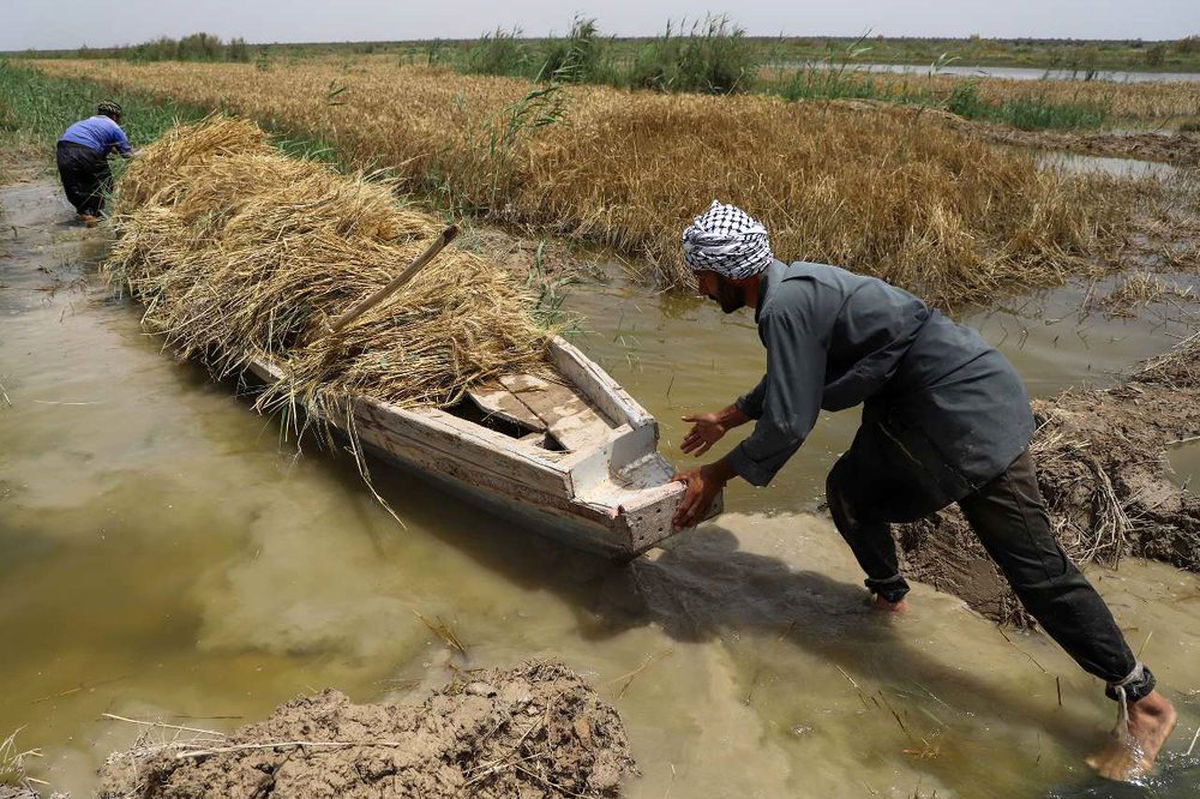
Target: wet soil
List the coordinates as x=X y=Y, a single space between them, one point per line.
x=536 y=730
x=1104 y=470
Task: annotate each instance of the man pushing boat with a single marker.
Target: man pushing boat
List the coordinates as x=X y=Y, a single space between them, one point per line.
x=945 y=419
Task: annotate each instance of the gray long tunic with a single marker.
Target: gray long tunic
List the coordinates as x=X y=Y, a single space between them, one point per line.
x=940 y=403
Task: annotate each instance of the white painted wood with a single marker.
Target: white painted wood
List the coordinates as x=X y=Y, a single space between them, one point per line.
x=604 y=392
x=567 y=416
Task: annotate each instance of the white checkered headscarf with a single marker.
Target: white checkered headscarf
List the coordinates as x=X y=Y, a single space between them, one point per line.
x=728 y=241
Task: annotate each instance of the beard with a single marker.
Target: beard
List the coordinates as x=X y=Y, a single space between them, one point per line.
x=730 y=297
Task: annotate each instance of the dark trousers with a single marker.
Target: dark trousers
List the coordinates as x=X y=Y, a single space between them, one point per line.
x=85 y=175
x=1010 y=518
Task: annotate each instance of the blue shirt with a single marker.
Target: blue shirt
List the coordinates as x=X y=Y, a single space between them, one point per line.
x=99 y=133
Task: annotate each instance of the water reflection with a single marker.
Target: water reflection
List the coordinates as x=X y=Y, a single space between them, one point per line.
x=1074 y=163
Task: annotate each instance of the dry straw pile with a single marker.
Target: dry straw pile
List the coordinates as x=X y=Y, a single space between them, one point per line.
x=892 y=192
x=241 y=253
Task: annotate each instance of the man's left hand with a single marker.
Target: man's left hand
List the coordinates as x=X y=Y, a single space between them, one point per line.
x=703 y=485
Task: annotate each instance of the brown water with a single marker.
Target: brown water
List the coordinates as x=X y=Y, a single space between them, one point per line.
x=1074 y=163
x=1185 y=460
x=163 y=554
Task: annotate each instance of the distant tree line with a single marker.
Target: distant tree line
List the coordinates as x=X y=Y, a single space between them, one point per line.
x=194 y=47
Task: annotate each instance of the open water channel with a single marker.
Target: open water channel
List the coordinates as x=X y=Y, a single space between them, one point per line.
x=163 y=554
x=1010 y=73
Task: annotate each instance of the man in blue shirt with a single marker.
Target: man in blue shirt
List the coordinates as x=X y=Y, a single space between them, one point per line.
x=82 y=156
x=945 y=419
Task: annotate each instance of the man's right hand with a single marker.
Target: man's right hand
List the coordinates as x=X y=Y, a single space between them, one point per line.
x=707 y=429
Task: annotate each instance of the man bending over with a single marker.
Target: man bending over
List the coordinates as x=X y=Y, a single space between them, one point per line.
x=945 y=419
x=82 y=156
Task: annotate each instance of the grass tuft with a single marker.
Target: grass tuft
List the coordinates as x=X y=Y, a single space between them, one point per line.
x=712 y=58
x=12 y=762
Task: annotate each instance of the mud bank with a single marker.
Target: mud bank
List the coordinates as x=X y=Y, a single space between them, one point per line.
x=536 y=730
x=1104 y=472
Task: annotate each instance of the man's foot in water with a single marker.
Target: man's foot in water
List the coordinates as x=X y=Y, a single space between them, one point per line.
x=1133 y=752
x=879 y=603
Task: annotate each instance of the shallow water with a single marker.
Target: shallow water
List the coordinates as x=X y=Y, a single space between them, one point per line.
x=163 y=554
x=1185 y=461
x=1075 y=163
x=1021 y=73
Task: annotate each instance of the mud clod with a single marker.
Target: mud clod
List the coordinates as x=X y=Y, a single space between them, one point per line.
x=537 y=731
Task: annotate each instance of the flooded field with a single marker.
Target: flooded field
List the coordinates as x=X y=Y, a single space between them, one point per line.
x=167 y=556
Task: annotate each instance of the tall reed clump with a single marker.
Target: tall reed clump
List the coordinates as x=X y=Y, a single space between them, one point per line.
x=500 y=52
x=713 y=58
x=583 y=56
x=239 y=253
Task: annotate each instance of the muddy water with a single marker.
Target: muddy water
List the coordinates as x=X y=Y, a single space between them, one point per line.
x=1075 y=163
x=163 y=554
x=1185 y=461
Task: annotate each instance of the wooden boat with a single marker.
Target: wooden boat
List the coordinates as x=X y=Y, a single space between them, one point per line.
x=577 y=457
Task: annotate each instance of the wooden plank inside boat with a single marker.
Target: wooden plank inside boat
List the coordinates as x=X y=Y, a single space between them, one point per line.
x=495 y=400
x=566 y=416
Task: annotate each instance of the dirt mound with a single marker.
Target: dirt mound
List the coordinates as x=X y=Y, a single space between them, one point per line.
x=533 y=731
x=1103 y=471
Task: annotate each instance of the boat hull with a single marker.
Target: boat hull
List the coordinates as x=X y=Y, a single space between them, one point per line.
x=612 y=494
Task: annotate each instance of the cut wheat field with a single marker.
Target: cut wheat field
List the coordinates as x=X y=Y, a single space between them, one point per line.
x=889 y=191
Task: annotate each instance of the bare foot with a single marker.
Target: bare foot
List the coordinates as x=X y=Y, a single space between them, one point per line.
x=89 y=220
x=1132 y=752
x=879 y=603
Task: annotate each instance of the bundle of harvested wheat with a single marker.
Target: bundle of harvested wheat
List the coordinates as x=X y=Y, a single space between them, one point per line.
x=239 y=252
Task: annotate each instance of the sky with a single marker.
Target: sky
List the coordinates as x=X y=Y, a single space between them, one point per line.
x=55 y=24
